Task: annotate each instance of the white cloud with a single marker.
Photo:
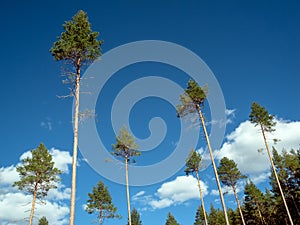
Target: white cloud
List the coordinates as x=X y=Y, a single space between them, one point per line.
x=8 y=175
x=178 y=191
x=62 y=159
x=14 y=205
x=243 y=143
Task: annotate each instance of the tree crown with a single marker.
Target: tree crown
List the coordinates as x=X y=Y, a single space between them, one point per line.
x=38 y=172
x=193 y=162
x=260 y=116
x=229 y=172
x=77 y=42
x=193 y=97
x=125 y=146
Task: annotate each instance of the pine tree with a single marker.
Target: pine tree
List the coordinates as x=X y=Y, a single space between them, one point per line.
x=100 y=203
x=254 y=205
x=191 y=102
x=193 y=166
x=126 y=148
x=37 y=175
x=216 y=216
x=200 y=219
x=77 y=46
x=43 y=221
x=229 y=175
x=261 y=117
x=135 y=218
x=171 y=220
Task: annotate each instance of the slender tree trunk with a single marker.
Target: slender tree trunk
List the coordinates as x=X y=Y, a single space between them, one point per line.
x=275 y=174
x=33 y=204
x=75 y=143
x=201 y=197
x=238 y=203
x=259 y=213
x=127 y=192
x=295 y=204
x=213 y=164
x=100 y=216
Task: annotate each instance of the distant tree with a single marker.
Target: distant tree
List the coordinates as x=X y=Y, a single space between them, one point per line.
x=191 y=102
x=254 y=205
x=229 y=175
x=37 y=175
x=261 y=117
x=234 y=216
x=100 y=203
x=43 y=221
x=171 y=220
x=286 y=165
x=126 y=148
x=78 y=46
x=216 y=216
x=135 y=218
x=193 y=166
x=200 y=218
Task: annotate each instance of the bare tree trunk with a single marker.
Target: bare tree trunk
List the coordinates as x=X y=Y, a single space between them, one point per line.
x=127 y=192
x=201 y=197
x=275 y=174
x=100 y=217
x=75 y=143
x=238 y=203
x=33 y=204
x=213 y=164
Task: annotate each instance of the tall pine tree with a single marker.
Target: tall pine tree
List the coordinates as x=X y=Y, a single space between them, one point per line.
x=192 y=102
x=77 y=46
x=259 y=116
x=126 y=148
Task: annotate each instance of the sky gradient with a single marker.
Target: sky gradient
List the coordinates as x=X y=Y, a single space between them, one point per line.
x=252 y=48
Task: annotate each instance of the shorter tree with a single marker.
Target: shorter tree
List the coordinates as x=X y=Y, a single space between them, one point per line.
x=100 y=203
x=43 y=221
x=193 y=166
x=135 y=218
x=37 y=175
x=126 y=148
x=171 y=220
x=200 y=219
x=229 y=175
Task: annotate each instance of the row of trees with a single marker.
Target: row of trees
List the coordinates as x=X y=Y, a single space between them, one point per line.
x=78 y=46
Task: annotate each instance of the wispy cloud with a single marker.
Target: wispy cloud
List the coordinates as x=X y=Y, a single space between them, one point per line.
x=47 y=124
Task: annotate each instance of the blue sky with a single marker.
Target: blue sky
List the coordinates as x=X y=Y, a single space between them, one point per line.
x=252 y=48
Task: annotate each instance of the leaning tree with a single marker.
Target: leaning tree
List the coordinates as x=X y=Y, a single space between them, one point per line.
x=192 y=100
x=229 y=176
x=78 y=47
x=193 y=166
x=261 y=117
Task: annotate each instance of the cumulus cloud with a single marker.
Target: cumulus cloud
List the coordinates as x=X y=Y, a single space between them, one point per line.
x=175 y=192
x=244 y=143
x=15 y=205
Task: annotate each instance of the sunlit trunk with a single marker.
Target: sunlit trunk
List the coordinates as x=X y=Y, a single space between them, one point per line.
x=275 y=174
x=213 y=164
x=75 y=144
x=127 y=192
x=201 y=197
x=33 y=204
x=238 y=203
